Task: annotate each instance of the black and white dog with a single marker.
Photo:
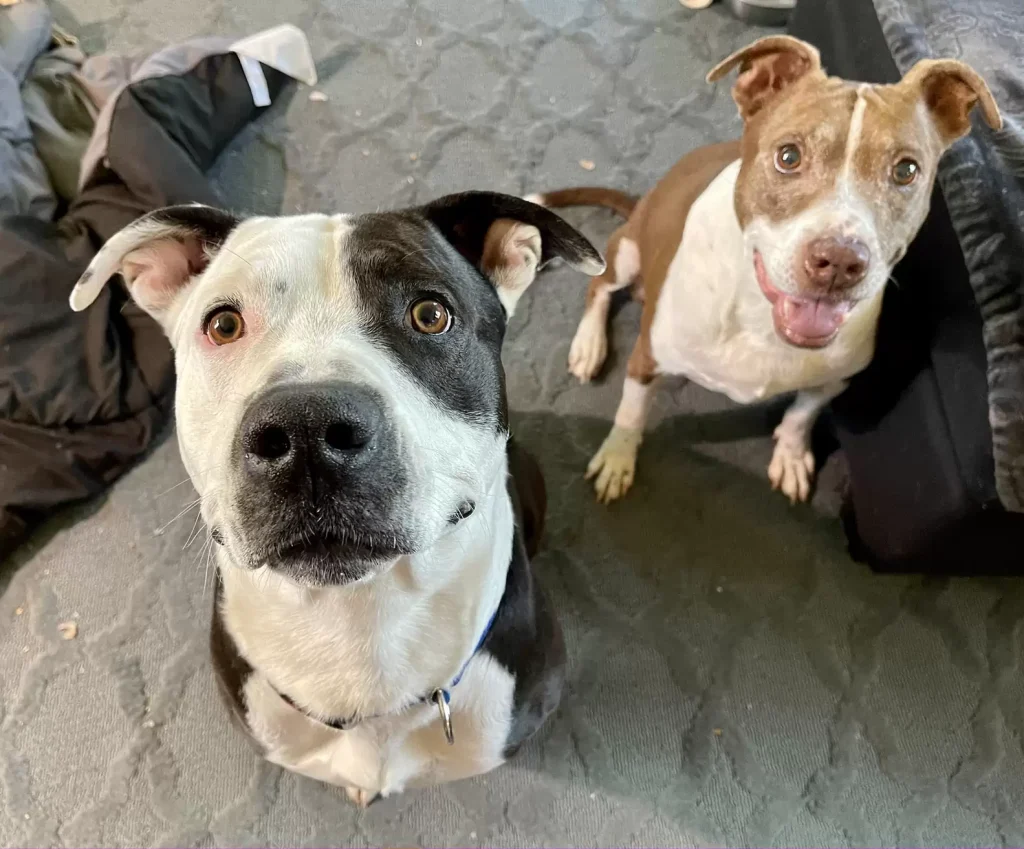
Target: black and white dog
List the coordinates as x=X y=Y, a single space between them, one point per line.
x=341 y=411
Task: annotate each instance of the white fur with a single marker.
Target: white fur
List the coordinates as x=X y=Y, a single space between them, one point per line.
x=792 y=467
x=368 y=648
x=713 y=324
x=589 y=346
x=627 y=261
x=634 y=404
x=856 y=129
x=371 y=647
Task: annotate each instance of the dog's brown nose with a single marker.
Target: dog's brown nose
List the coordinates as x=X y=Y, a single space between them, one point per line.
x=836 y=262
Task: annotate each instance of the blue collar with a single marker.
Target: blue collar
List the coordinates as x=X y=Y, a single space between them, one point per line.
x=440 y=696
x=479 y=645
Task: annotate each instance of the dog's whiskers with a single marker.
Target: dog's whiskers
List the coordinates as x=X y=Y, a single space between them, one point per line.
x=159 y=531
x=194 y=532
x=171 y=489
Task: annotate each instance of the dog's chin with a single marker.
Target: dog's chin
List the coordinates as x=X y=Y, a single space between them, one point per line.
x=802 y=321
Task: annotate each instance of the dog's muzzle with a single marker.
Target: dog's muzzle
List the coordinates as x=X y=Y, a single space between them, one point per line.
x=320 y=478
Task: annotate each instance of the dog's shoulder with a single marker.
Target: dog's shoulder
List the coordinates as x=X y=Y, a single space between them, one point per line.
x=526 y=638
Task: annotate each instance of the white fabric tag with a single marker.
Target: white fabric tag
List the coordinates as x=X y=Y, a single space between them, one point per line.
x=257 y=81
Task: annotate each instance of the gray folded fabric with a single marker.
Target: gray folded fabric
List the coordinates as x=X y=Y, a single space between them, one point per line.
x=982 y=178
x=24 y=185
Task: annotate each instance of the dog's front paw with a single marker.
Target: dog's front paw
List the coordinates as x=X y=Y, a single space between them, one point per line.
x=589 y=347
x=614 y=464
x=363 y=798
x=792 y=467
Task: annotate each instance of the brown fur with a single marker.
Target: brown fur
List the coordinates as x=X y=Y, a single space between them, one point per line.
x=814 y=111
x=612 y=199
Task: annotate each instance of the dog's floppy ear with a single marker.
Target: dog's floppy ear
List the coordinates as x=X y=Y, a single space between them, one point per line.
x=509 y=239
x=950 y=89
x=766 y=67
x=157 y=255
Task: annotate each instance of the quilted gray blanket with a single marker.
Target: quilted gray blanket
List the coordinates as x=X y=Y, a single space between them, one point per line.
x=982 y=179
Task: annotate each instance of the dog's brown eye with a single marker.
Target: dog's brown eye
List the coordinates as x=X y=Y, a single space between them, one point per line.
x=225 y=326
x=905 y=172
x=430 y=316
x=787 y=158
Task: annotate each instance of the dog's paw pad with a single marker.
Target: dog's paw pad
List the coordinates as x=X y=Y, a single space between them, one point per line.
x=614 y=465
x=589 y=349
x=792 y=469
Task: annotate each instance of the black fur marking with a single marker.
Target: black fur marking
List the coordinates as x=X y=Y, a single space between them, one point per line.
x=465 y=218
x=435 y=251
x=325 y=507
x=526 y=638
x=212 y=225
x=395 y=258
x=230 y=668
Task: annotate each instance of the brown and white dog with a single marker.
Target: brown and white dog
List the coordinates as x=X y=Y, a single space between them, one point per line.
x=762 y=262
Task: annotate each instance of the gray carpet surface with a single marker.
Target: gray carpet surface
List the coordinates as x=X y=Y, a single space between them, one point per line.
x=735 y=678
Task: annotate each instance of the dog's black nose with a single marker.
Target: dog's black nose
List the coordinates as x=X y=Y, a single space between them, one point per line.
x=310 y=431
x=836 y=262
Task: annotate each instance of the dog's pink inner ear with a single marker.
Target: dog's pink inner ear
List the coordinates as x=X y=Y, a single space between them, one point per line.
x=156 y=272
x=511 y=257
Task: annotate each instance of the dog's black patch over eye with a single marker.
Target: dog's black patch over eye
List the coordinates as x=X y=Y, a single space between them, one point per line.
x=403 y=267
x=430 y=316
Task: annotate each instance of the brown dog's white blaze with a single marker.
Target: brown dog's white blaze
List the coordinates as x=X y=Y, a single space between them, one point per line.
x=836 y=177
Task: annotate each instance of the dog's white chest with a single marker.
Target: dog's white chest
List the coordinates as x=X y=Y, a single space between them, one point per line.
x=387 y=754
x=713 y=325
x=371 y=650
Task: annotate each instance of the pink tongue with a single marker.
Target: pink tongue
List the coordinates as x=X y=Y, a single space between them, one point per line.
x=810 y=318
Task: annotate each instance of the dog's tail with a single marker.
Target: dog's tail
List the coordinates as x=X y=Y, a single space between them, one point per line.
x=612 y=199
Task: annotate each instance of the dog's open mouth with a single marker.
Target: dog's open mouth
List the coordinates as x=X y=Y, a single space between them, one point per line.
x=804 y=322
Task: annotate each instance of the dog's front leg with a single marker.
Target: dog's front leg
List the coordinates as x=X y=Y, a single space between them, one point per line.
x=614 y=464
x=792 y=467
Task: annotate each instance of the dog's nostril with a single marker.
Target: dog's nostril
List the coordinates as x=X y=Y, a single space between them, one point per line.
x=271 y=443
x=822 y=263
x=343 y=436
x=855 y=269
